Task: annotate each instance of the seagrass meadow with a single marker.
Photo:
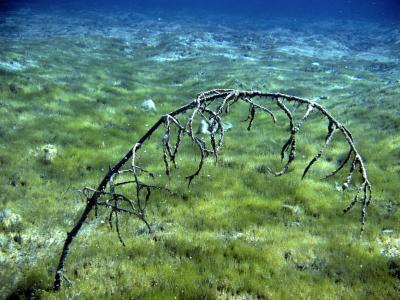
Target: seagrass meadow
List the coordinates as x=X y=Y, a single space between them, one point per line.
x=71 y=94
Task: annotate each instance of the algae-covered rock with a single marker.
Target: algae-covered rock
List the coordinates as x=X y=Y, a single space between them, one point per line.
x=3 y=242
x=46 y=153
x=389 y=243
x=203 y=128
x=148 y=106
x=9 y=221
x=14 y=88
x=49 y=153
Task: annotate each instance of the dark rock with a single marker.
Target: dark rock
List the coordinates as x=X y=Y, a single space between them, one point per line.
x=394 y=268
x=13 y=88
x=14 y=179
x=18 y=239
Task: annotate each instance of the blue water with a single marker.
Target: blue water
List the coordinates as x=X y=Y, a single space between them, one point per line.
x=376 y=10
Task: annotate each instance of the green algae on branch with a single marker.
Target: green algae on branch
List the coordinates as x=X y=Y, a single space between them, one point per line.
x=210 y=106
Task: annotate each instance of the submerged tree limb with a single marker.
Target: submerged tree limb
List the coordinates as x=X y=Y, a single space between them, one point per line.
x=201 y=108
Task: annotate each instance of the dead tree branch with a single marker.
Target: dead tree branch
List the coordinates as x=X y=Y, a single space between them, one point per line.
x=109 y=195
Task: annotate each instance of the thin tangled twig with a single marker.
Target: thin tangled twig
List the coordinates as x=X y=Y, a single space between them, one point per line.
x=202 y=109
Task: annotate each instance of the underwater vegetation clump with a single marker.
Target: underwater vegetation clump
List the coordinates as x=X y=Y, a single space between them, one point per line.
x=210 y=107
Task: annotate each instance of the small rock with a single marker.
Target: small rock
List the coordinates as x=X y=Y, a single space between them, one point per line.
x=5 y=214
x=10 y=222
x=292 y=209
x=14 y=179
x=148 y=105
x=318 y=98
x=13 y=88
x=12 y=66
x=338 y=187
x=237 y=235
x=227 y=126
x=203 y=128
x=49 y=153
x=295 y=224
x=301 y=266
x=3 y=241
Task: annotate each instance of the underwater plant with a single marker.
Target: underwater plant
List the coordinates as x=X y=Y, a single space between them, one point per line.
x=210 y=107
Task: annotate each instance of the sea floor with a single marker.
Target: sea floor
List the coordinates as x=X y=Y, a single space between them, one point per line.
x=71 y=93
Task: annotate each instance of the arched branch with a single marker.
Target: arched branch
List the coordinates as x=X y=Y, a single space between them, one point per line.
x=117 y=201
